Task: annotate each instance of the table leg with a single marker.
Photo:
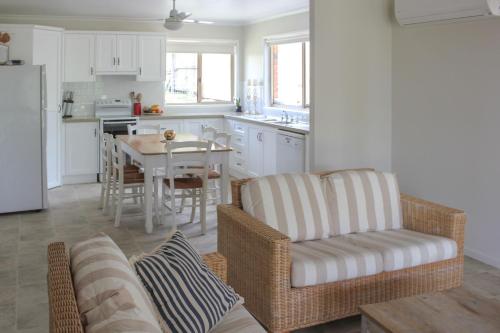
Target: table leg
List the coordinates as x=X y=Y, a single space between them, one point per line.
x=148 y=195
x=225 y=178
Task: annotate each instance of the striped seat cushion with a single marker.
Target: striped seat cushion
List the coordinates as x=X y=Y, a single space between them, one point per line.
x=239 y=320
x=188 y=296
x=406 y=248
x=109 y=295
x=330 y=260
x=363 y=201
x=292 y=204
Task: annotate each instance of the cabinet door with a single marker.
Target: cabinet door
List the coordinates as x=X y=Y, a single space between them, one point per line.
x=81 y=149
x=47 y=50
x=255 y=152
x=126 y=53
x=106 y=60
x=269 y=144
x=79 y=58
x=152 y=58
x=193 y=126
x=172 y=124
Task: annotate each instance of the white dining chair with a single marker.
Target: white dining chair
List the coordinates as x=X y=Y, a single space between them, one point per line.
x=125 y=180
x=143 y=129
x=192 y=185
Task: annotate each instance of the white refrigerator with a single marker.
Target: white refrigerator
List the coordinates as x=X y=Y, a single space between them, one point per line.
x=23 y=171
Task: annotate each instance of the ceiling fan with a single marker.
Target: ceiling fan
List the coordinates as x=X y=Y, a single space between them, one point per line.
x=176 y=19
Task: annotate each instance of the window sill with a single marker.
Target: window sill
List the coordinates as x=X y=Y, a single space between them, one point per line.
x=287 y=109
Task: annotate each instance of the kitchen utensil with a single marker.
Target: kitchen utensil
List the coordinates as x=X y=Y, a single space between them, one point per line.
x=68 y=104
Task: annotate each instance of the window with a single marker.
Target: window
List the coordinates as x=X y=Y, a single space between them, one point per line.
x=290 y=74
x=199 y=78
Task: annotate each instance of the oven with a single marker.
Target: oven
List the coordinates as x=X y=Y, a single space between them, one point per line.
x=114 y=126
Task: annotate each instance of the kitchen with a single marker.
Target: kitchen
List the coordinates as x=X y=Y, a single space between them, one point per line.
x=91 y=74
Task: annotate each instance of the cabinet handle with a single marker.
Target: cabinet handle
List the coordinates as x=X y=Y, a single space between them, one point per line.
x=91 y=71
x=114 y=61
x=118 y=61
x=95 y=132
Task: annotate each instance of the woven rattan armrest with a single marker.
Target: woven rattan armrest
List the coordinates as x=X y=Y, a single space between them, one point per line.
x=258 y=259
x=63 y=310
x=431 y=218
x=217 y=264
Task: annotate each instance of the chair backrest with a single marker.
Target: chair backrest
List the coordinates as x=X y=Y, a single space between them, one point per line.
x=117 y=158
x=143 y=129
x=223 y=139
x=178 y=160
x=208 y=133
x=105 y=150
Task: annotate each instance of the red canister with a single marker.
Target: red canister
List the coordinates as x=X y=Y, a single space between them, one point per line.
x=137 y=109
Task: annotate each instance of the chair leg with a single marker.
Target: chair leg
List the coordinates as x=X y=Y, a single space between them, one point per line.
x=113 y=195
x=173 y=210
x=103 y=190
x=183 y=201
x=155 y=198
x=120 y=205
x=203 y=211
x=134 y=191
x=193 y=206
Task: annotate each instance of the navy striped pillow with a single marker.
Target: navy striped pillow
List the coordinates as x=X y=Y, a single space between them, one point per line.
x=189 y=297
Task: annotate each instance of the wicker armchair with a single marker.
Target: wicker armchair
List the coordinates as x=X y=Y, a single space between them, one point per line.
x=63 y=310
x=259 y=265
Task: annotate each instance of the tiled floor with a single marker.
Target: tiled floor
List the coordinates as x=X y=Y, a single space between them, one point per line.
x=75 y=215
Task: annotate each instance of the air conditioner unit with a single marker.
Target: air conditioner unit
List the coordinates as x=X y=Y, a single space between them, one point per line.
x=409 y=12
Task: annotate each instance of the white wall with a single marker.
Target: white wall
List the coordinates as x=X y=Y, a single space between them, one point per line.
x=446 y=123
x=112 y=86
x=351 y=84
x=253 y=36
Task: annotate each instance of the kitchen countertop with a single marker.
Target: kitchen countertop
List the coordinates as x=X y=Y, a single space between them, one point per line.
x=81 y=119
x=300 y=128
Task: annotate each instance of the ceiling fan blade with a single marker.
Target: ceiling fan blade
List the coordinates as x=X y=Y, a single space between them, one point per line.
x=183 y=15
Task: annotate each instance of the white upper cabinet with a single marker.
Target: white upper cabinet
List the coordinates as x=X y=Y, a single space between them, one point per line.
x=116 y=54
x=105 y=60
x=152 y=58
x=79 y=64
x=126 y=53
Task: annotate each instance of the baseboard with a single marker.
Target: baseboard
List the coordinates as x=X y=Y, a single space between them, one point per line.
x=478 y=255
x=80 y=179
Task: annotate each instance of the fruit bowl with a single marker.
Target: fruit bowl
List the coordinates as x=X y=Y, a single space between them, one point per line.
x=169 y=134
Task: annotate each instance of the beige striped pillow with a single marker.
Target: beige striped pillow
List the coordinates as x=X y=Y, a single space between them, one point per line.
x=363 y=201
x=108 y=293
x=292 y=204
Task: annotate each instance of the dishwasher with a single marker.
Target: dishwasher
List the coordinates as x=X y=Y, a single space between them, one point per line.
x=290 y=152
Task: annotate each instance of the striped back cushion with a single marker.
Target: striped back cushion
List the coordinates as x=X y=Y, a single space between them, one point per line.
x=363 y=201
x=109 y=295
x=292 y=204
x=189 y=297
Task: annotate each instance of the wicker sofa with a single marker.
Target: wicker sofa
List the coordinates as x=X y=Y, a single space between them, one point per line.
x=259 y=261
x=63 y=309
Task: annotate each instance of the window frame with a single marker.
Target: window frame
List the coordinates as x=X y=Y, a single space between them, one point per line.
x=199 y=88
x=304 y=105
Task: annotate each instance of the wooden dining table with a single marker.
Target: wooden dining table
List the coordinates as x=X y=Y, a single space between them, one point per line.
x=151 y=151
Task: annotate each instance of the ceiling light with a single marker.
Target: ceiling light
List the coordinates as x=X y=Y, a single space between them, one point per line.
x=173 y=25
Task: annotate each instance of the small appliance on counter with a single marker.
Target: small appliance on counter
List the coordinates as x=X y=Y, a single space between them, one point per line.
x=112 y=108
x=136 y=99
x=4 y=48
x=67 y=105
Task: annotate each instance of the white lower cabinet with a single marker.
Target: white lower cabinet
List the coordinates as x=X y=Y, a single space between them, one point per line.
x=166 y=124
x=254 y=149
x=81 y=145
x=195 y=126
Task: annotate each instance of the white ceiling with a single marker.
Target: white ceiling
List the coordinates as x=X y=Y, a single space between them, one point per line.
x=219 y=11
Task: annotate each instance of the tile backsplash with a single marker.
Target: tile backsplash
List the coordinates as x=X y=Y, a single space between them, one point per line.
x=116 y=86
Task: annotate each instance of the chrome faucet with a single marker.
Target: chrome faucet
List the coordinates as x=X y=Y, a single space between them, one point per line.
x=284 y=116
